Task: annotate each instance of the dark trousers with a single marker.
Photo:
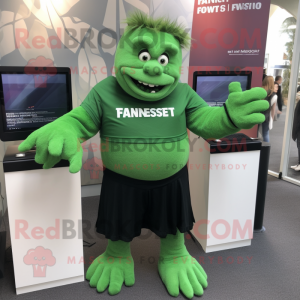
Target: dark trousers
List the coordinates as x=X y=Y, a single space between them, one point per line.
x=298 y=146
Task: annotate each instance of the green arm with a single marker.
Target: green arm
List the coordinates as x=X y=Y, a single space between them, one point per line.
x=61 y=139
x=210 y=122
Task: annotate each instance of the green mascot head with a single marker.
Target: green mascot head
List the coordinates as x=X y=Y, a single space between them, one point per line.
x=148 y=57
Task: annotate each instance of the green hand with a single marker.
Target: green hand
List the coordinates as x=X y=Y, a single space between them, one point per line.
x=61 y=140
x=245 y=108
x=179 y=270
x=112 y=268
x=55 y=141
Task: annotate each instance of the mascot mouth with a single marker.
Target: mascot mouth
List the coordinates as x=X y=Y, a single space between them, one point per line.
x=147 y=87
x=150 y=88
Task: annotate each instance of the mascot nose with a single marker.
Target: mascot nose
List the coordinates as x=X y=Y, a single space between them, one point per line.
x=153 y=68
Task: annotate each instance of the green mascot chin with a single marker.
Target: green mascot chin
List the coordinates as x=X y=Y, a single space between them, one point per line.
x=143 y=114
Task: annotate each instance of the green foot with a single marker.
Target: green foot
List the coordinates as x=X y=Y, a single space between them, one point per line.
x=179 y=270
x=112 y=268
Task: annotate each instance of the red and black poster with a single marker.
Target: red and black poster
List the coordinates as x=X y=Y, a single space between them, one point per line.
x=229 y=35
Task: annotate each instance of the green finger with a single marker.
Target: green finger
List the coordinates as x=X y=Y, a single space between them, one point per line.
x=29 y=143
x=71 y=146
x=92 y=268
x=254 y=94
x=198 y=290
x=51 y=162
x=41 y=154
x=116 y=281
x=172 y=284
x=56 y=145
x=104 y=280
x=96 y=276
x=161 y=272
x=185 y=285
x=255 y=118
x=256 y=106
x=199 y=267
x=234 y=87
x=201 y=278
x=76 y=162
x=90 y=271
x=129 y=278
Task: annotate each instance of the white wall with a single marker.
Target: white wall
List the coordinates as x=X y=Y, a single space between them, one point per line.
x=275 y=40
x=290 y=5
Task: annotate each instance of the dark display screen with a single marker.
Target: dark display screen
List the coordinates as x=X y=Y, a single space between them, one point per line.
x=214 y=89
x=33 y=100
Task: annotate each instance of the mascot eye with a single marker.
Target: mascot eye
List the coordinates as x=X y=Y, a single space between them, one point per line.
x=163 y=59
x=144 y=56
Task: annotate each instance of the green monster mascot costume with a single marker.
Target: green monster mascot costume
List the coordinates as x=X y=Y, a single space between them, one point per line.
x=143 y=114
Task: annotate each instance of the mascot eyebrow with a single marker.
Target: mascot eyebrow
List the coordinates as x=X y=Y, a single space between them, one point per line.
x=147 y=42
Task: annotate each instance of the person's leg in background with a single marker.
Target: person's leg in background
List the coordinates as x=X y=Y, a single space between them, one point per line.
x=298 y=145
x=265 y=132
x=277 y=114
x=297 y=166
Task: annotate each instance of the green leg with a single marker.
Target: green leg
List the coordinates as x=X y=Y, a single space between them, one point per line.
x=179 y=270
x=112 y=268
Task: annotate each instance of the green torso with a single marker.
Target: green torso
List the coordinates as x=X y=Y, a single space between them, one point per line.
x=141 y=139
x=146 y=161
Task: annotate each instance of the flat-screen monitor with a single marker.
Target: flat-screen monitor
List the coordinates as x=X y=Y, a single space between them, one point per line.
x=31 y=97
x=213 y=86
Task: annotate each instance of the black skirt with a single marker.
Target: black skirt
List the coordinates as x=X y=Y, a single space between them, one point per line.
x=127 y=205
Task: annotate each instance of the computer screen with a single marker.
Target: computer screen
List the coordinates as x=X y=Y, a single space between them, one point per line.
x=30 y=101
x=214 y=89
x=33 y=102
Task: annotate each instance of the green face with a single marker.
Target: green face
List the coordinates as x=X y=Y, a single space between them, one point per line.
x=148 y=64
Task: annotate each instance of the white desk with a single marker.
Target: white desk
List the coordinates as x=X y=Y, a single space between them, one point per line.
x=223 y=191
x=42 y=205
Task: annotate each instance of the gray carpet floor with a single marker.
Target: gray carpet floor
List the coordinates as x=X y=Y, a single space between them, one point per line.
x=270 y=267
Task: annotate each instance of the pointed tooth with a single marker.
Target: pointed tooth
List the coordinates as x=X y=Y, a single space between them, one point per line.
x=151 y=85
x=152 y=92
x=145 y=83
x=139 y=81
